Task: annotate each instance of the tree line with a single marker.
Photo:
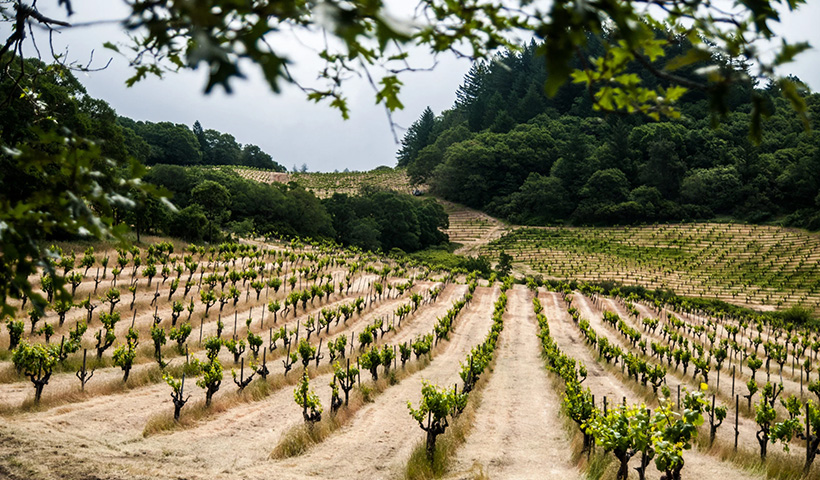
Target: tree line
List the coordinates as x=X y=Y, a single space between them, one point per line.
x=207 y=200
x=213 y=200
x=507 y=148
x=62 y=97
x=176 y=144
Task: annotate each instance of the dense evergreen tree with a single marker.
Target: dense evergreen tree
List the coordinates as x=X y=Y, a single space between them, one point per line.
x=507 y=148
x=418 y=136
x=221 y=149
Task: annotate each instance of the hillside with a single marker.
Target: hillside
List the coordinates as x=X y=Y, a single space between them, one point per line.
x=763 y=267
x=324 y=185
x=471 y=229
x=508 y=149
x=749 y=265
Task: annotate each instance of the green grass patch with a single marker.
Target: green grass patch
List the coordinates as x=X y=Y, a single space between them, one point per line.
x=442 y=257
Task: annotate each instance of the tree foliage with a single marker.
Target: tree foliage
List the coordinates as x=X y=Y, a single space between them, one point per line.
x=564 y=162
x=382 y=219
x=36 y=361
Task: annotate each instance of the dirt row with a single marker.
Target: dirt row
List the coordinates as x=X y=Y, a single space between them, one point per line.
x=106 y=432
x=518 y=429
x=60 y=384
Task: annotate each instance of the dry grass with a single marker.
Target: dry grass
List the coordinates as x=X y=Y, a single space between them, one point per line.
x=164 y=422
x=9 y=374
x=257 y=390
x=300 y=438
x=137 y=379
x=778 y=465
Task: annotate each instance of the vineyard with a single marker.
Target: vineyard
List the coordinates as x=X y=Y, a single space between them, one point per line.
x=750 y=265
x=763 y=267
x=261 y=175
x=347 y=365
x=326 y=184
x=471 y=228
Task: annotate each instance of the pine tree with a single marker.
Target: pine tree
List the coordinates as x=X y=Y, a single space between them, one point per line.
x=199 y=133
x=473 y=85
x=418 y=136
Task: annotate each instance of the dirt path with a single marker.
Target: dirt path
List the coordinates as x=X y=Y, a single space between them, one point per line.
x=572 y=342
x=698 y=465
x=518 y=430
x=377 y=443
x=412 y=327
x=471 y=228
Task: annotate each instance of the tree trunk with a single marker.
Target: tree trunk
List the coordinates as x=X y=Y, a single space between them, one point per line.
x=810 y=455
x=38 y=391
x=431 y=445
x=646 y=457
x=623 y=469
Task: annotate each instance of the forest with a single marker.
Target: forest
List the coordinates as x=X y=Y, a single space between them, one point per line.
x=187 y=194
x=212 y=200
x=507 y=148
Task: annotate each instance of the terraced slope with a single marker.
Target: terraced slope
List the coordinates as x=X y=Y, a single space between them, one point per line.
x=324 y=185
x=474 y=230
x=760 y=266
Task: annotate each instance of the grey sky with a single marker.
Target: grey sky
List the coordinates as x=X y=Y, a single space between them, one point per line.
x=287 y=126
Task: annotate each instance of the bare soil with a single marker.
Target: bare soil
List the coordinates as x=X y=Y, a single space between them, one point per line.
x=518 y=429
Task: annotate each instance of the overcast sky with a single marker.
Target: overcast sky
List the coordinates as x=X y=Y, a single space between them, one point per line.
x=287 y=126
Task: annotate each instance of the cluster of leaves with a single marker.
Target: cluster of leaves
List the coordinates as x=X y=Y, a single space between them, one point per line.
x=211 y=369
x=617 y=37
x=309 y=401
x=480 y=356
